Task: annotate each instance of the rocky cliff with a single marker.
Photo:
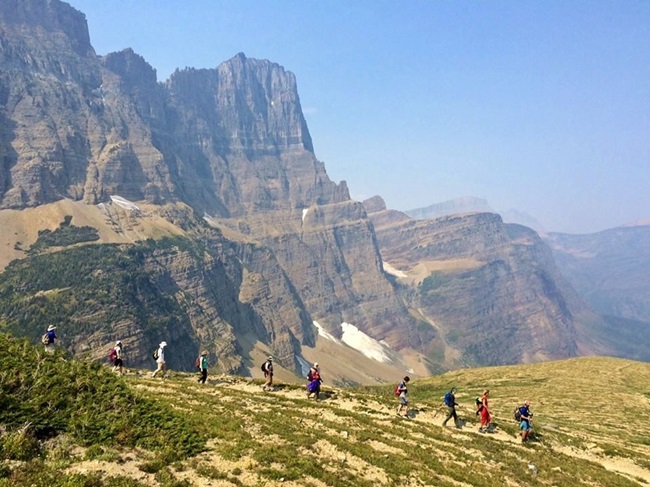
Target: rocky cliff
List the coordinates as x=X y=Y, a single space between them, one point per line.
x=491 y=289
x=609 y=269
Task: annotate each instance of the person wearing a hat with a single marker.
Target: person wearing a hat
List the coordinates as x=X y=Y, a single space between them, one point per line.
x=203 y=365
x=118 y=364
x=267 y=368
x=49 y=338
x=160 y=361
x=314 y=378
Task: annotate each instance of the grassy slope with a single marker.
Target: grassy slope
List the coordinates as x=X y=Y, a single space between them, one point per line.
x=591 y=413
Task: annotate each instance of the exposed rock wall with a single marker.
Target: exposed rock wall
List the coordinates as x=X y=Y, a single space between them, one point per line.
x=491 y=288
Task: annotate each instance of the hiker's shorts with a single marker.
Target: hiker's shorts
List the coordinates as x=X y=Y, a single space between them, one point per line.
x=524 y=425
x=403 y=400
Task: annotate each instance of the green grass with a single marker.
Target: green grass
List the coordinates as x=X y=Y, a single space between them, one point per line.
x=46 y=395
x=353 y=438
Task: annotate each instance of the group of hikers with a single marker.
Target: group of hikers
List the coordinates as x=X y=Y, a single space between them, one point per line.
x=522 y=414
x=314 y=380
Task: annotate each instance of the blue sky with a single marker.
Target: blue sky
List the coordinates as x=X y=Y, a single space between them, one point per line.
x=539 y=106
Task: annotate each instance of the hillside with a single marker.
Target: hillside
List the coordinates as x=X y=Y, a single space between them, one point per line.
x=352 y=436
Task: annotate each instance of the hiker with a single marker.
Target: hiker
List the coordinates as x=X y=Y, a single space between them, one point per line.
x=203 y=366
x=267 y=368
x=485 y=413
x=159 y=355
x=401 y=392
x=450 y=402
x=315 y=380
x=525 y=420
x=118 y=360
x=49 y=338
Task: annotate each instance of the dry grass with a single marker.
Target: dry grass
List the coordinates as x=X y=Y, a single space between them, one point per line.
x=591 y=415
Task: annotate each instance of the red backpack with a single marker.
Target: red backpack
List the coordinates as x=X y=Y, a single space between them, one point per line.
x=397 y=391
x=112 y=355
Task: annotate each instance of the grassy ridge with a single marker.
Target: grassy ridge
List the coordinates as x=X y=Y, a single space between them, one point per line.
x=46 y=396
x=351 y=438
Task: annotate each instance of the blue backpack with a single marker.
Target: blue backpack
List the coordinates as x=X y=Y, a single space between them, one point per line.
x=448 y=400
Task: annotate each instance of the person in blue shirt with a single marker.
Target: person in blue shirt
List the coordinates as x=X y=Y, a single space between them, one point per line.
x=51 y=337
x=450 y=402
x=525 y=421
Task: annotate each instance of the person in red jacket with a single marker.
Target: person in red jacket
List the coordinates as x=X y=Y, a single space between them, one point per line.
x=485 y=413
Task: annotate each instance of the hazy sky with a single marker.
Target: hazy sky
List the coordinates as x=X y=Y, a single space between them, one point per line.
x=539 y=106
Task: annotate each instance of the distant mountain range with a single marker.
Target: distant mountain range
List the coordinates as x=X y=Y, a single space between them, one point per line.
x=195 y=211
x=471 y=204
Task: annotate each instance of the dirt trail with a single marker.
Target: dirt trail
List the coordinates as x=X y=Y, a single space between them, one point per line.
x=378 y=410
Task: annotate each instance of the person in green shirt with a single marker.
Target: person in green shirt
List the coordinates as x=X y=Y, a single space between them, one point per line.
x=204 y=366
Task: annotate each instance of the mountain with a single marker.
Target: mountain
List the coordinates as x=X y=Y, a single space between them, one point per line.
x=471 y=204
x=465 y=204
x=609 y=269
x=225 y=158
x=491 y=289
x=195 y=211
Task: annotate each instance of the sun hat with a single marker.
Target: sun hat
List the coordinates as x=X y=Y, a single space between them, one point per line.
x=204 y=352
x=163 y=344
x=270 y=357
x=51 y=327
x=315 y=364
x=119 y=342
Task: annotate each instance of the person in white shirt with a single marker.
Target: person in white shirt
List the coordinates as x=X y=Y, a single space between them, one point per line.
x=160 y=361
x=118 y=364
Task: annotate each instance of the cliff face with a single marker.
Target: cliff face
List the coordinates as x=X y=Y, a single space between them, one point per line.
x=230 y=140
x=491 y=289
x=609 y=269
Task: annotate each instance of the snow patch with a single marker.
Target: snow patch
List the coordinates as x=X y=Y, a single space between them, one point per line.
x=324 y=334
x=391 y=270
x=124 y=203
x=371 y=348
x=304 y=213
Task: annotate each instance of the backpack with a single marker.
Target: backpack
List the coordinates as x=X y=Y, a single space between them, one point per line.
x=45 y=339
x=448 y=400
x=479 y=405
x=517 y=414
x=397 y=391
x=197 y=363
x=265 y=367
x=112 y=355
x=155 y=354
